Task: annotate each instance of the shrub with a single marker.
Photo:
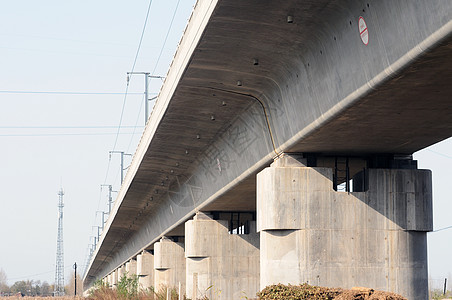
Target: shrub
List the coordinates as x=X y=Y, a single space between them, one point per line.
x=295 y=292
x=128 y=287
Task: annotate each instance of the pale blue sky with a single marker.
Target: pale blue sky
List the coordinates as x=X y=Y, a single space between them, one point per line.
x=70 y=46
x=88 y=46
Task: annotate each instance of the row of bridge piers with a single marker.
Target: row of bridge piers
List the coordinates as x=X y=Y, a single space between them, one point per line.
x=304 y=230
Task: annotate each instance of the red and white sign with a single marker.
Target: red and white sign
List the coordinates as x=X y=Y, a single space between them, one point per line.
x=363 y=32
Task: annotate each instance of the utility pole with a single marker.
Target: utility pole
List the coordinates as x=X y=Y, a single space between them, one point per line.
x=92 y=247
x=93 y=244
x=59 y=272
x=98 y=234
x=147 y=75
x=75 y=279
x=122 y=162
x=103 y=218
x=110 y=199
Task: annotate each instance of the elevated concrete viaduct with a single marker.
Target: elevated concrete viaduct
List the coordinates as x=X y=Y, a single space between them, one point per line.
x=279 y=150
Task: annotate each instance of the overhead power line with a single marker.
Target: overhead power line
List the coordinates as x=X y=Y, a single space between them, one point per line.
x=142 y=35
x=67 y=93
x=440 y=154
x=127 y=87
x=62 y=134
x=441 y=229
x=135 y=127
x=28 y=36
x=125 y=99
x=157 y=62
x=65 y=127
x=166 y=38
x=34 y=275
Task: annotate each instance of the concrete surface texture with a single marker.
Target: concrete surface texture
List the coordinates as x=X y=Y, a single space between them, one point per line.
x=220 y=265
x=114 y=278
x=108 y=280
x=121 y=273
x=253 y=79
x=377 y=238
x=145 y=270
x=131 y=267
x=169 y=264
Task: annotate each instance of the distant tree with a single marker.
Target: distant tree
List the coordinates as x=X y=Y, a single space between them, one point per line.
x=30 y=289
x=20 y=287
x=36 y=288
x=4 y=288
x=449 y=281
x=46 y=289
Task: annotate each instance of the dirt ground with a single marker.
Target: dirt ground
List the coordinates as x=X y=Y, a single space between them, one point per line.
x=367 y=294
x=42 y=298
x=283 y=292
x=307 y=292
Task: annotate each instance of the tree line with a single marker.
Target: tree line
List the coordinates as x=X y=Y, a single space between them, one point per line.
x=35 y=288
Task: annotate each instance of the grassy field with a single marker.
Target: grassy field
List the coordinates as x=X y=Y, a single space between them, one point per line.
x=43 y=298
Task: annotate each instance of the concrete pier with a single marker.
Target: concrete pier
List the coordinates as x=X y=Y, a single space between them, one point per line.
x=121 y=272
x=169 y=264
x=114 y=279
x=131 y=267
x=220 y=265
x=107 y=280
x=145 y=270
x=375 y=238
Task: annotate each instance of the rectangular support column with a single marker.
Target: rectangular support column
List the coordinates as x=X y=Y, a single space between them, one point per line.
x=145 y=270
x=220 y=265
x=131 y=267
x=377 y=238
x=114 y=278
x=169 y=264
x=121 y=272
x=108 y=280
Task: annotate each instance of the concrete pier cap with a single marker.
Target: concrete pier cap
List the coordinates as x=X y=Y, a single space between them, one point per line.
x=169 y=264
x=145 y=270
x=289 y=160
x=131 y=267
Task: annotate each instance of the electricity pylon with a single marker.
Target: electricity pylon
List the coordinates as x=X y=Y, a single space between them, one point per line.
x=59 y=272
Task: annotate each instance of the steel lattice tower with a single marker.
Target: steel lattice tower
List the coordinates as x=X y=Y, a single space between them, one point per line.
x=59 y=272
